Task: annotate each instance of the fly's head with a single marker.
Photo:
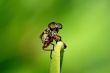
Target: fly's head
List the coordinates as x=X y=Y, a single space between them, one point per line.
x=54 y=26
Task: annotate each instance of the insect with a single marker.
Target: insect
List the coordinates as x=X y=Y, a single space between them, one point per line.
x=50 y=34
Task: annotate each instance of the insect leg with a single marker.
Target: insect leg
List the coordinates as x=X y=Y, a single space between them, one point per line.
x=65 y=46
x=53 y=46
x=51 y=54
x=51 y=50
x=57 y=38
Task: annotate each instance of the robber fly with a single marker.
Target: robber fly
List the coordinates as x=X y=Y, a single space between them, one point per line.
x=50 y=34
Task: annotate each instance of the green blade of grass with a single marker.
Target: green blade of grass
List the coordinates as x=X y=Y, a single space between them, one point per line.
x=57 y=58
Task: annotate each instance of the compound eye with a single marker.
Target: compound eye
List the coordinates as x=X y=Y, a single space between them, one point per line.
x=59 y=25
x=51 y=25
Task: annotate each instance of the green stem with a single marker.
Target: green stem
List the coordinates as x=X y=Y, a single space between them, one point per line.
x=57 y=58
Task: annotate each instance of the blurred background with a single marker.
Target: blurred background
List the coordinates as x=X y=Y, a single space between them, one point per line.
x=86 y=31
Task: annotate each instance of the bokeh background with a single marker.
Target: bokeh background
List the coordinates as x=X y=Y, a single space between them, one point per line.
x=86 y=31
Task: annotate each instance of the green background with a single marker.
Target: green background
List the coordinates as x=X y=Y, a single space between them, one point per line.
x=86 y=31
